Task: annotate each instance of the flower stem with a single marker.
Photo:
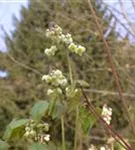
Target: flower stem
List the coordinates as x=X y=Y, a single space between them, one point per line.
x=63 y=133
x=76 y=128
x=70 y=68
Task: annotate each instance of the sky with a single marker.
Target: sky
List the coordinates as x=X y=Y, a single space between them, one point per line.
x=8 y=8
x=129 y=12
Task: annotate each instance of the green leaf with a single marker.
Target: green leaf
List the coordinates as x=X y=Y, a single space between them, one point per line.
x=37 y=146
x=3 y=145
x=87 y=119
x=58 y=110
x=82 y=83
x=118 y=146
x=39 y=110
x=15 y=129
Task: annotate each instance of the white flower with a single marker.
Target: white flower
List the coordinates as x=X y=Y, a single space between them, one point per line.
x=67 y=38
x=48 y=52
x=61 y=37
x=47 y=78
x=51 y=51
x=47 y=137
x=49 y=91
x=63 y=82
x=59 y=90
x=72 y=47
x=80 y=50
x=32 y=133
x=58 y=29
x=102 y=148
x=27 y=128
x=57 y=72
x=54 y=48
x=76 y=90
x=50 y=33
x=107 y=114
x=92 y=147
x=26 y=134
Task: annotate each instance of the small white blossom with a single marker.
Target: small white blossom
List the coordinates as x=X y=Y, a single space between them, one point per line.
x=50 y=33
x=51 y=51
x=72 y=47
x=102 y=148
x=57 y=72
x=56 y=78
x=49 y=91
x=26 y=134
x=67 y=38
x=57 y=29
x=61 y=37
x=80 y=50
x=107 y=114
x=76 y=90
x=47 y=137
x=59 y=90
x=63 y=82
x=47 y=78
x=92 y=147
x=32 y=133
x=48 y=52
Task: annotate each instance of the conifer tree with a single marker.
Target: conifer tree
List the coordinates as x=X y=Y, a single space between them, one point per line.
x=26 y=63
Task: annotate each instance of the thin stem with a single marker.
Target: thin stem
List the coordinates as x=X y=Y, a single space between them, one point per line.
x=70 y=68
x=63 y=133
x=108 y=128
x=77 y=110
x=76 y=129
x=114 y=72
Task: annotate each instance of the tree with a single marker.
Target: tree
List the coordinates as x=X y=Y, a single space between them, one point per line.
x=26 y=63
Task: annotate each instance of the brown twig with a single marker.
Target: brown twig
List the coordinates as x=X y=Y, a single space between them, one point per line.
x=115 y=75
x=23 y=65
x=108 y=128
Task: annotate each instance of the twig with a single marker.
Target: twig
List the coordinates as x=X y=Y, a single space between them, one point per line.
x=23 y=65
x=108 y=128
x=123 y=25
x=115 y=75
x=109 y=93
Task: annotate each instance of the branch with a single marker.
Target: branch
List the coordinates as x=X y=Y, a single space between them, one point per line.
x=114 y=72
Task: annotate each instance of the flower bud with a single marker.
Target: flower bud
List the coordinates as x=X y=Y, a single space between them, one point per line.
x=47 y=137
x=49 y=91
x=72 y=47
x=80 y=50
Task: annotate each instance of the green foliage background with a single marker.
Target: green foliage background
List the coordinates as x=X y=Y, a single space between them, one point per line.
x=26 y=62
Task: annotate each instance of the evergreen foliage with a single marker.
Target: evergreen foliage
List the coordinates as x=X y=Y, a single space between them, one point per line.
x=26 y=62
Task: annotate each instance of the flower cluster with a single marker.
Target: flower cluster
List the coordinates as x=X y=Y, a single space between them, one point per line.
x=56 y=34
x=70 y=92
x=37 y=131
x=78 y=49
x=51 y=51
x=55 y=78
x=58 y=82
x=52 y=91
x=107 y=114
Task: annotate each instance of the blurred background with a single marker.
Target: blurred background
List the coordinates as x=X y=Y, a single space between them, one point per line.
x=22 y=61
